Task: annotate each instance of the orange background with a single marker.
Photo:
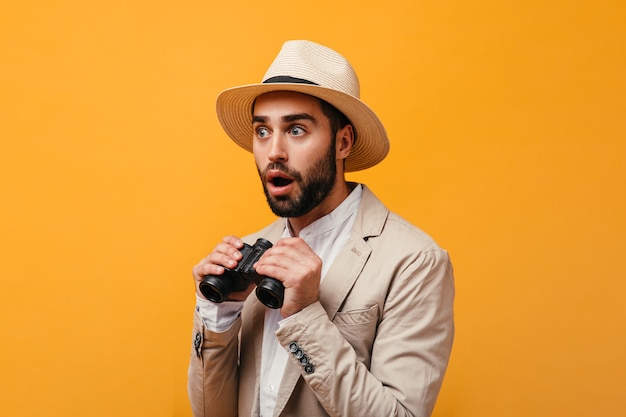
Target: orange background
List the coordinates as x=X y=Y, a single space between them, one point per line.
x=508 y=130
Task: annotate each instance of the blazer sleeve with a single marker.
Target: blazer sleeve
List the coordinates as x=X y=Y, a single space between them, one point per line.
x=409 y=352
x=212 y=382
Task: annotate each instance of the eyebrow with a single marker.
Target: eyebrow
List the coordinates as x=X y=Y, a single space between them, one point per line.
x=286 y=119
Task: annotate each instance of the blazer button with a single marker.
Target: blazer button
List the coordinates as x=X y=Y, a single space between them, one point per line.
x=309 y=369
x=304 y=360
x=293 y=347
x=298 y=353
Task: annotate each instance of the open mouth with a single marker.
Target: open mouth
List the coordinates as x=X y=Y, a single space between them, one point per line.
x=279 y=179
x=279 y=183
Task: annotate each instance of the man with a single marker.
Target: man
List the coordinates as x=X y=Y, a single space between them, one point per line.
x=366 y=326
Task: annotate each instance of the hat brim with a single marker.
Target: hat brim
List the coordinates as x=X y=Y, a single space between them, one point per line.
x=234 y=111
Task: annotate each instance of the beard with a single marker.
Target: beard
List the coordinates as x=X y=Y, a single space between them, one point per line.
x=315 y=185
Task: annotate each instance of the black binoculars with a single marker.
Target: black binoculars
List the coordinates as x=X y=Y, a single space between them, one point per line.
x=269 y=291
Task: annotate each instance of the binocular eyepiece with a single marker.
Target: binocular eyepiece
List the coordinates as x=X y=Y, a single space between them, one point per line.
x=269 y=291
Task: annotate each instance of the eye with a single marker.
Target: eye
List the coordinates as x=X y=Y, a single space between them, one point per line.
x=262 y=132
x=296 y=131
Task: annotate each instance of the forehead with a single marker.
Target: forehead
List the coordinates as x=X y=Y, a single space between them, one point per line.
x=285 y=102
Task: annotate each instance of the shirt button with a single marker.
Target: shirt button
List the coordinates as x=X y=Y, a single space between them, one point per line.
x=271 y=387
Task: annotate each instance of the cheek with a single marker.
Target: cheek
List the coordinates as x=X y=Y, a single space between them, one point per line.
x=262 y=152
x=314 y=151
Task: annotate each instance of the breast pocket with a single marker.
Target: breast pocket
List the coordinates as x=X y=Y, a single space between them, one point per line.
x=359 y=329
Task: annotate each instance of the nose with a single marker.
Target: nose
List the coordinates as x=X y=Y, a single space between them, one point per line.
x=277 y=149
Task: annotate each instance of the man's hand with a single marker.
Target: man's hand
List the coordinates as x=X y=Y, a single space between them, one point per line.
x=294 y=263
x=226 y=254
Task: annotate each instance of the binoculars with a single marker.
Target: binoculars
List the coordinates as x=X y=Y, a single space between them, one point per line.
x=269 y=291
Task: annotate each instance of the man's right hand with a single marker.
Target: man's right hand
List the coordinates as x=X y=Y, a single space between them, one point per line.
x=226 y=254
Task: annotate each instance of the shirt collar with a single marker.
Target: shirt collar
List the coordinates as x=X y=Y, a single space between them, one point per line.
x=332 y=220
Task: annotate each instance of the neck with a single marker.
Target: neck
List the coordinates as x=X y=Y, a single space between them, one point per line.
x=331 y=202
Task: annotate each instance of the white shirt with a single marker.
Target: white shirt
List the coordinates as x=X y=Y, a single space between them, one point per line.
x=326 y=236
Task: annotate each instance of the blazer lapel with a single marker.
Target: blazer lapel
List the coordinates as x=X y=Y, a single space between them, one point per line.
x=348 y=265
x=342 y=274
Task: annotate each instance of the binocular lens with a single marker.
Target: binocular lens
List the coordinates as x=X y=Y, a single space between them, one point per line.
x=215 y=289
x=271 y=293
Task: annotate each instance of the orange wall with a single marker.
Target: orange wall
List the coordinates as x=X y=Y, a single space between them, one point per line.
x=508 y=145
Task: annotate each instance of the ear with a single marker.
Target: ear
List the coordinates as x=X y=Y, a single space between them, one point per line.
x=344 y=141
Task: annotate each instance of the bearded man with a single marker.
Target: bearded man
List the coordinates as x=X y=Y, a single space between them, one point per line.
x=364 y=326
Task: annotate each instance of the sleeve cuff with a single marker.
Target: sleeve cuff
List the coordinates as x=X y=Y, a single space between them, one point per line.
x=218 y=317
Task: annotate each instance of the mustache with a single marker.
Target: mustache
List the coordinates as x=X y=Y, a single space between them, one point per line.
x=279 y=166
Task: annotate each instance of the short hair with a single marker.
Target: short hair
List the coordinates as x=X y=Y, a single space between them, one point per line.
x=336 y=118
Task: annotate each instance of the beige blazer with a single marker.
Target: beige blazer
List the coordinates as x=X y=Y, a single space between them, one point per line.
x=376 y=343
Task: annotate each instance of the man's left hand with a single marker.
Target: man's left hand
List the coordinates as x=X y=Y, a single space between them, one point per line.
x=294 y=263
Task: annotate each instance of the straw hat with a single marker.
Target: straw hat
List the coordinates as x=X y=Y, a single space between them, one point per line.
x=313 y=69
